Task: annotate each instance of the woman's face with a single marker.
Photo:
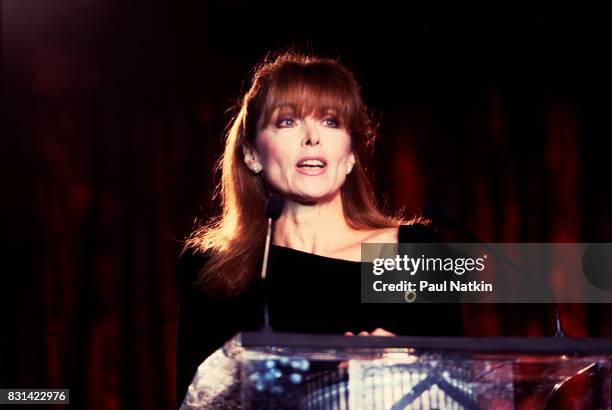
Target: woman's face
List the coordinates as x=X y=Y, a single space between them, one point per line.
x=307 y=158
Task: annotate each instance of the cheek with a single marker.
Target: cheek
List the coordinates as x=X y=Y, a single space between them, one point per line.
x=343 y=147
x=274 y=154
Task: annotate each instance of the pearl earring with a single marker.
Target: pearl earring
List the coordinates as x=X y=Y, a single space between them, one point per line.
x=349 y=168
x=256 y=168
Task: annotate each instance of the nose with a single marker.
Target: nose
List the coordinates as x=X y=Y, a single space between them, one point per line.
x=311 y=136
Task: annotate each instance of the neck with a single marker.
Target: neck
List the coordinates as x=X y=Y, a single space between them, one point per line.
x=315 y=228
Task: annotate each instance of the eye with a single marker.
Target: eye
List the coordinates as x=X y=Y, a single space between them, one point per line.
x=285 y=122
x=331 y=122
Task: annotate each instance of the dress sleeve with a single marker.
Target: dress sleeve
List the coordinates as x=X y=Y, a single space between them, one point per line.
x=203 y=325
x=434 y=319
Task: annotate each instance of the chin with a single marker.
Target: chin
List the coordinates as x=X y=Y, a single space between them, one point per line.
x=314 y=196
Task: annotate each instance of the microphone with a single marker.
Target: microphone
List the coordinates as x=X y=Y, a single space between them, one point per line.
x=444 y=217
x=274 y=209
x=274 y=206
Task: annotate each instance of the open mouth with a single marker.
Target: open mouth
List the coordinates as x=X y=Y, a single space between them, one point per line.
x=312 y=166
x=312 y=163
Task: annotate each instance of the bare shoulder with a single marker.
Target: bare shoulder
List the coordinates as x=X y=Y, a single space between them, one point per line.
x=352 y=251
x=382 y=235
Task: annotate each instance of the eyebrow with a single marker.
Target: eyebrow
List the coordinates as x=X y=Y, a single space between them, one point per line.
x=328 y=110
x=292 y=109
x=285 y=109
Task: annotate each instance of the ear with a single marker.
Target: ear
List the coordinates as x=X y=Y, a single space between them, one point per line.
x=350 y=162
x=351 y=159
x=250 y=155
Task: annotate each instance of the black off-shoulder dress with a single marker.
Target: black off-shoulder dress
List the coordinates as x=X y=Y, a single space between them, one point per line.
x=307 y=293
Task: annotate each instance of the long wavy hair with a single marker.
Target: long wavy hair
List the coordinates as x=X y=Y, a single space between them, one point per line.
x=234 y=240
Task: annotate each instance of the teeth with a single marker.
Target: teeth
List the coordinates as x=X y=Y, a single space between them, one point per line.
x=311 y=163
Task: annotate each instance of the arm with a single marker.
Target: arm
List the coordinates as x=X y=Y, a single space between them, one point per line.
x=202 y=324
x=435 y=319
x=205 y=323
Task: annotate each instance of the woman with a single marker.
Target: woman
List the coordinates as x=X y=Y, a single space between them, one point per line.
x=301 y=131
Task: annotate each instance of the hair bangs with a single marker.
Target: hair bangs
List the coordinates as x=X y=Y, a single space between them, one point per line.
x=315 y=89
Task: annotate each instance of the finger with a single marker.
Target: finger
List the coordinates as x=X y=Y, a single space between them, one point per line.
x=381 y=332
x=348 y=334
x=364 y=333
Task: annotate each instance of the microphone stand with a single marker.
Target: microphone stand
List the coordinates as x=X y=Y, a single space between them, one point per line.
x=274 y=209
x=264 y=271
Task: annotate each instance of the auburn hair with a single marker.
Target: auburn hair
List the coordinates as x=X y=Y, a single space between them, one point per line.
x=234 y=240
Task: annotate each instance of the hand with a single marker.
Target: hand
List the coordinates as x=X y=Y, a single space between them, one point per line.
x=379 y=331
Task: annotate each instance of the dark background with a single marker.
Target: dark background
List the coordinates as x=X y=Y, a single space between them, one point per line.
x=113 y=114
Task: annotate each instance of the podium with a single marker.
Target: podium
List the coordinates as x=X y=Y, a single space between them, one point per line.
x=305 y=371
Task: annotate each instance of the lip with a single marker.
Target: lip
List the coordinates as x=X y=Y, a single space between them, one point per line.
x=312 y=171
